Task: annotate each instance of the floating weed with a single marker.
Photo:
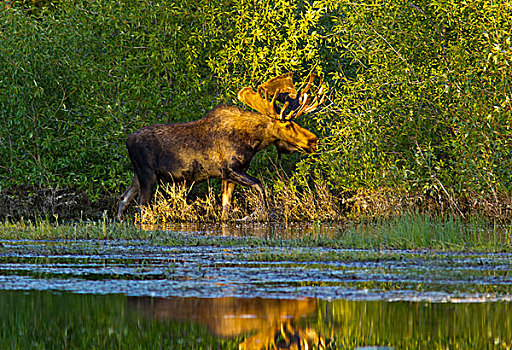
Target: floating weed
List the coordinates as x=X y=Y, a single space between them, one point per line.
x=301 y=255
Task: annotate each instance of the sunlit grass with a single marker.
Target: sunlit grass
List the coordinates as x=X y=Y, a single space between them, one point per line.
x=425 y=231
x=406 y=231
x=287 y=202
x=171 y=205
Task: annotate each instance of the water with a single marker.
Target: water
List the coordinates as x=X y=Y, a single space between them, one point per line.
x=58 y=320
x=117 y=293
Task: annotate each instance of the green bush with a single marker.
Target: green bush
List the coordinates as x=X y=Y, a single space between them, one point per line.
x=419 y=101
x=79 y=79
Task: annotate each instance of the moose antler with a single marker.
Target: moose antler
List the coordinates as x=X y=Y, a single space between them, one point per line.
x=302 y=102
x=273 y=87
x=254 y=100
x=281 y=89
x=281 y=84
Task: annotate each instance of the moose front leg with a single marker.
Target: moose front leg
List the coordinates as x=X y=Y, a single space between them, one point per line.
x=227 y=195
x=247 y=180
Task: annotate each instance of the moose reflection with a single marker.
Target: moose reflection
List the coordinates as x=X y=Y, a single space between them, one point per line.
x=222 y=143
x=271 y=321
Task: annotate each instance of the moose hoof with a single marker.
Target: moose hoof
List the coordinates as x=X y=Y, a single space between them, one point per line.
x=260 y=215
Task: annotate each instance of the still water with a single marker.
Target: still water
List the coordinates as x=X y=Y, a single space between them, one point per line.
x=151 y=294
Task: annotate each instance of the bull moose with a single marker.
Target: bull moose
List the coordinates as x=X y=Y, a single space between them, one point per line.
x=222 y=144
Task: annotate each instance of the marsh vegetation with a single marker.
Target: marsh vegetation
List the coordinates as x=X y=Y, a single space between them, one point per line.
x=406 y=231
x=397 y=232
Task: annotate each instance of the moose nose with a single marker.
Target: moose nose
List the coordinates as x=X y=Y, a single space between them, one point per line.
x=312 y=145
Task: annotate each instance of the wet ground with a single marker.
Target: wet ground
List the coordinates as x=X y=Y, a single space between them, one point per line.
x=249 y=290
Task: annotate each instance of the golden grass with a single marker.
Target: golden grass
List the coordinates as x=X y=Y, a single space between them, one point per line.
x=170 y=204
x=292 y=200
x=287 y=202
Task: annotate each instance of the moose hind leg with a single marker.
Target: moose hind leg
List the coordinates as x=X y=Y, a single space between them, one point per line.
x=127 y=197
x=146 y=188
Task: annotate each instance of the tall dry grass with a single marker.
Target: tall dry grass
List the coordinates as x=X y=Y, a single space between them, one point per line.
x=287 y=202
x=291 y=200
x=171 y=204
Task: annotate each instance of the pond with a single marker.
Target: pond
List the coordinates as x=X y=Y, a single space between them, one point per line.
x=155 y=294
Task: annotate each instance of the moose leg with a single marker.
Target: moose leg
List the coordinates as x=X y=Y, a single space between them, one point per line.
x=127 y=197
x=227 y=194
x=146 y=187
x=247 y=180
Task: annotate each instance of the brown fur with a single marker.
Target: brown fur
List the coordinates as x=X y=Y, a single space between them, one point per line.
x=220 y=145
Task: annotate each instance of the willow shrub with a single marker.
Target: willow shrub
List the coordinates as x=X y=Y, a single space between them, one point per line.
x=424 y=102
x=78 y=79
x=419 y=94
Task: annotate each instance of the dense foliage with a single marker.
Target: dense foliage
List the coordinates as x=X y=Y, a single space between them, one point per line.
x=420 y=95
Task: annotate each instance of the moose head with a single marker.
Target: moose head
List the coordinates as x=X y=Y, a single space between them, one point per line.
x=281 y=89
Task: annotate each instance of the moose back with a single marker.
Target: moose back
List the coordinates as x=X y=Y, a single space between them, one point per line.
x=221 y=144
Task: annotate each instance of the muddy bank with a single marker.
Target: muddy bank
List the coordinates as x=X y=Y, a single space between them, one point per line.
x=66 y=204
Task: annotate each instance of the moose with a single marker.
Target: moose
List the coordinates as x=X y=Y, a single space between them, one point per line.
x=222 y=144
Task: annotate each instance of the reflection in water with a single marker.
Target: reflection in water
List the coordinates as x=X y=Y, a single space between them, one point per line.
x=272 y=322
x=48 y=320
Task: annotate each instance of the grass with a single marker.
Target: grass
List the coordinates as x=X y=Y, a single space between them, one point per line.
x=292 y=199
x=170 y=204
x=288 y=201
x=425 y=231
x=405 y=231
